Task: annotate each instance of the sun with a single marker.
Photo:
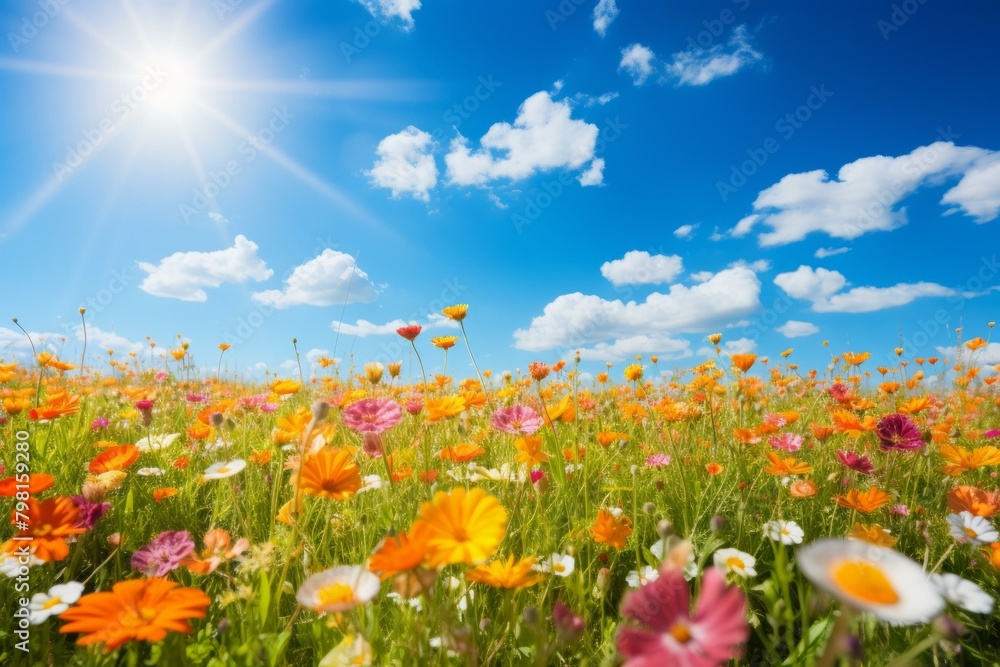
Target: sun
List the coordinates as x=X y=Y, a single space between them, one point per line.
x=172 y=84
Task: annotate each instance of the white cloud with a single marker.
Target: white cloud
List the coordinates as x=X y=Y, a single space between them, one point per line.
x=823 y=253
x=219 y=218
x=329 y=279
x=797 y=329
x=986 y=356
x=638 y=267
x=386 y=10
x=364 y=328
x=577 y=319
x=702 y=276
x=823 y=288
x=405 y=164
x=107 y=340
x=594 y=174
x=605 y=13
x=544 y=136
x=866 y=194
x=698 y=66
x=686 y=231
x=628 y=347
x=14 y=340
x=637 y=61
x=590 y=100
x=183 y=275
x=757 y=266
x=730 y=347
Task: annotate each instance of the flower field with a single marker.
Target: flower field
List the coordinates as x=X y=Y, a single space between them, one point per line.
x=740 y=511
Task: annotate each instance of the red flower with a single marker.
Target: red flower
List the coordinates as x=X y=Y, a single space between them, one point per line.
x=856 y=462
x=410 y=331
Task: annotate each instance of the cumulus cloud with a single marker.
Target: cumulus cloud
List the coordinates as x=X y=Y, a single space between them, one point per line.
x=106 y=340
x=986 y=356
x=638 y=267
x=797 y=329
x=627 y=348
x=184 y=275
x=405 y=164
x=364 y=328
x=699 y=66
x=730 y=347
x=543 y=136
x=686 y=231
x=577 y=319
x=866 y=194
x=605 y=13
x=389 y=10
x=638 y=62
x=331 y=278
x=824 y=288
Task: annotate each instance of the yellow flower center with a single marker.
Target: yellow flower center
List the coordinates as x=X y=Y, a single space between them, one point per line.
x=559 y=567
x=337 y=593
x=864 y=581
x=43 y=530
x=734 y=563
x=147 y=614
x=681 y=633
x=52 y=602
x=971 y=533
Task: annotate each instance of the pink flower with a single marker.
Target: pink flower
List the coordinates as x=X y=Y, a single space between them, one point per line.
x=657 y=460
x=856 y=462
x=164 y=553
x=268 y=407
x=899 y=433
x=517 y=420
x=569 y=626
x=144 y=405
x=160 y=376
x=99 y=423
x=671 y=635
x=372 y=415
x=373 y=444
x=195 y=398
x=786 y=441
x=992 y=433
x=536 y=475
x=777 y=421
x=840 y=392
x=899 y=510
x=414 y=406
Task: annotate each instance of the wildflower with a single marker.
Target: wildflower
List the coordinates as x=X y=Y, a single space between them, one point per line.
x=400 y=552
x=784 y=467
x=164 y=553
x=786 y=532
x=224 y=469
x=516 y=420
x=633 y=372
x=152 y=443
x=219 y=548
x=463 y=526
x=714 y=468
x=505 y=573
x=788 y=442
x=865 y=502
x=456 y=312
x=968 y=528
x=529 y=450
x=856 y=462
x=538 y=370
x=330 y=473
x=671 y=635
x=89 y=512
x=960 y=459
x=114 y=458
x=569 y=626
x=715 y=338
x=444 y=342
x=48 y=524
x=734 y=560
x=352 y=650
x=463 y=452
x=973 y=500
x=898 y=433
x=36 y=482
x=611 y=528
x=444 y=407
x=146 y=472
x=642 y=576
x=410 y=331
x=373 y=372
x=372 y=415
x=57 y=600
x=657 y=460
x=338 y=589
x=286 y=387
x=159 y=495
x=869 y=578
x=743 y=361
x=140 y=609
x=875 y=534
x=963 y=593
x=55 y=406
x=561 y=565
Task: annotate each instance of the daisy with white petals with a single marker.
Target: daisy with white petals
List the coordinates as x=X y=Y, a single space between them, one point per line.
x=968 y=528
x=59 y=598
x=963 y=593
x=224 y=469
x=786 y=532
x=736 y=561
x=340 y=588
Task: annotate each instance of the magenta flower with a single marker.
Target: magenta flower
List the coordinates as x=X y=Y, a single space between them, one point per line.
x=856 y=462
x=992 y=433
x=195 y=398
x=90 y=513
x=517 y=420
x=671 y=635
x=777 y=421
x=536 y=475
x=569 y=626
x=164 y=553
x=898 y=432
x=268 y=407
x=98 y=423
x=658 y=460
x=144 y=405
x=786 y=441
x=372 y=415
x=414 y=406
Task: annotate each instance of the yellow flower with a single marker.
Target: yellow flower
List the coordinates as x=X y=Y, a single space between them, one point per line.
x=529 y=450
x=444 y=407
x=633 y=372
x=444 y=342
x=876 y=534
x=462 y=526
x=286 y=387
x=506 y=573
x=456 y=312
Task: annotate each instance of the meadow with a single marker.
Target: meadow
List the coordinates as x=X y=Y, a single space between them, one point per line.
x=740 y=511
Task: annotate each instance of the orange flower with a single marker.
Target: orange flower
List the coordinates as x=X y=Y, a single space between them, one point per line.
x=875 y=534
x=915 y=405
x=606 y=438
x=783 y=467
x=960 y=459
x=181 y=462
x=13 y=405
x=159 y=495
x=462 y=526
x=444 y=407
x=563 y=411
x=993 y=555
x=49 y=523
x=400 y=552
x=743 y=361
x=973 y=500
x=506 y=573
x=855 y=359
x=199 y=431
x=260 y=456
x=330 y=473
x=114 y=458
x=611 y=529
x=714 y=468
x=37 y=482
x=865 y=502
x=224 y=346
x=456 y=312
x=286 y=387
x=976 y=343
x=57 y=405
x=803 y=488
x=463 y=452
x=137 y=610
x=444 y=342
x=529 y=450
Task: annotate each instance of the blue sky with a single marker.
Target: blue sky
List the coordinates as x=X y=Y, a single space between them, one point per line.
x=620 y=178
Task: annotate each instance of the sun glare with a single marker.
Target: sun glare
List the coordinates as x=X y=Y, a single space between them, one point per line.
x=172 y=84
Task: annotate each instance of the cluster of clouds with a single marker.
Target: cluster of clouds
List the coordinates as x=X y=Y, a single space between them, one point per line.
x=696 y=66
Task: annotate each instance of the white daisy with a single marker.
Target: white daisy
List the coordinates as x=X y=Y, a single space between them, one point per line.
x=642 y=577
x=870 y=578
x=786 y=532
x=10 y=565
x=152 y=443
x=338 y=589
x=150 y=472
x=224 y=469
x=963 y=593
x=734 y=560
x=56 y=601
x=370 y=483
x=561 y=565
x=968 y=528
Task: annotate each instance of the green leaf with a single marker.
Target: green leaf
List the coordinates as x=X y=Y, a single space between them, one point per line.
x=811 y=643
